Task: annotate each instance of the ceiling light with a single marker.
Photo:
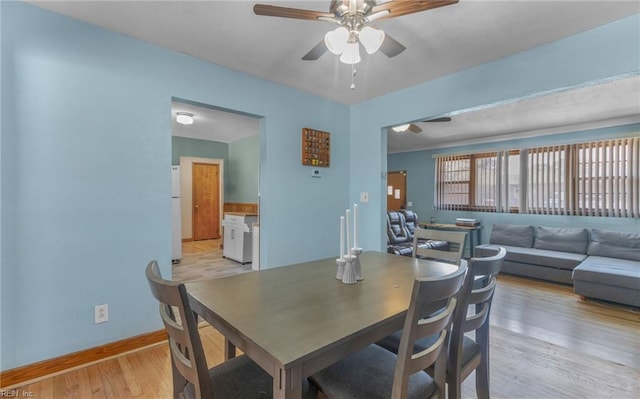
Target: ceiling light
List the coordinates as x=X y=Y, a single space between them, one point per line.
x=371 y=39
x=345 y=43
x=351 y=54
x=184 y=118
x=401 y=128
x=336 y=40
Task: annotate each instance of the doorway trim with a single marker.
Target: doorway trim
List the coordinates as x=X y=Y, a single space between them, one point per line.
x=186 y=191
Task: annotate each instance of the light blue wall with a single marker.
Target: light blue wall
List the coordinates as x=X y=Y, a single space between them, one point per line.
x=186 y=147
x=601 y=53
x=244 y=168
x=420 y=167
x=86 y=149
x=2 y=99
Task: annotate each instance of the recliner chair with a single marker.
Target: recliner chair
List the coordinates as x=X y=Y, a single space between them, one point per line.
x=411 y=220
x=400 y=234
x=399 y=239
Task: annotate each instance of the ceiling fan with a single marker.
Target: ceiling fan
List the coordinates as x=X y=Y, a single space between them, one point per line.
x=354 y=18
x=413 y=128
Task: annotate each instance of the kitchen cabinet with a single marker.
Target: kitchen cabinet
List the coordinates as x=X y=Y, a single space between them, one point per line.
x=237 y=236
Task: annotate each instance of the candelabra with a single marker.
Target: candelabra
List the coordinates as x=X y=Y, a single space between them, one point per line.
x=349 y=275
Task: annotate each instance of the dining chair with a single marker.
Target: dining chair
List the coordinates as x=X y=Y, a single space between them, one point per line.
x=374 y=372
x=453 y=254
x=466 y=354
x=239 y=377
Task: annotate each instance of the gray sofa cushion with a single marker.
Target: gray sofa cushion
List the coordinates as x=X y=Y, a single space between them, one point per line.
x=534 y=256
x=609 y=271
x=512 y=235
x=614 y=244
x=562 y=239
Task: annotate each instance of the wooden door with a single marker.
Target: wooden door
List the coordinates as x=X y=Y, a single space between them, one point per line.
x=206 y=201
x=396 y=190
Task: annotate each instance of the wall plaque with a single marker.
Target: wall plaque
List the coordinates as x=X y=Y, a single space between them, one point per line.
x=316 y=148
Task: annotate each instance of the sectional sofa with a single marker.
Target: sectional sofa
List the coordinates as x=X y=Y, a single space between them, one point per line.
x=599 y=263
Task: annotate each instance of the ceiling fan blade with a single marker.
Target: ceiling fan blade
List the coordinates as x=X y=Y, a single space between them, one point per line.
x=414 y=128
x=316 y=52
x=443 y=119
x=403 y=7
x=391 y=47
x=286 y=12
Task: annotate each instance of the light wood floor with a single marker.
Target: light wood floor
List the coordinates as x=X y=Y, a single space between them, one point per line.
x=545 y=344
x=202 y=260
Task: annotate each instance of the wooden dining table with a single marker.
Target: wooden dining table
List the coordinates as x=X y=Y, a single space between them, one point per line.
x=296 y=320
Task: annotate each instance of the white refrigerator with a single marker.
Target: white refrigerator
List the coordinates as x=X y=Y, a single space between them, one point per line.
x=176 y=219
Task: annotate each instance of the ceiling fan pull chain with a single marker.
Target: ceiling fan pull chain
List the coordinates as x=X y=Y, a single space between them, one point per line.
x=353 y=76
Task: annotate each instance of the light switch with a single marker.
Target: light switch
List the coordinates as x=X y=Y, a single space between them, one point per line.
x=409 y=203
x=364 y=197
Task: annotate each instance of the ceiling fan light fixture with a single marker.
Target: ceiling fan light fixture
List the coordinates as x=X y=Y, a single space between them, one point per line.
x=371 y=39
x=184 y=118
x=401 y=128
x=351 y=54
x=336 y=40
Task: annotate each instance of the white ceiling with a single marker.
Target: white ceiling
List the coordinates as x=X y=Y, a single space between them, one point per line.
x=609 y=104
x=213 y=124
x=439 y=42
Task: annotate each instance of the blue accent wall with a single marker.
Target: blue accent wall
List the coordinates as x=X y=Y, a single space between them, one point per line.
x=244 y=169
x=86 y=148
x=420 y=167
x=86 y=182
x=2 y=100
x=187 y=147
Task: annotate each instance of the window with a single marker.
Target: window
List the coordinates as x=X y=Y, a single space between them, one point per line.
x=547 y=180
x=472 y=182
x=455 y=182
x=607 y=178
x=597 y=179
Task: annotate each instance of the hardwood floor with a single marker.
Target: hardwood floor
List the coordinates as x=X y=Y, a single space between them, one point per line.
x=545 y=344
x=203 y=259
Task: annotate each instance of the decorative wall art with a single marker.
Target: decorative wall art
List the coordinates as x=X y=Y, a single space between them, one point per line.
x=316 y=148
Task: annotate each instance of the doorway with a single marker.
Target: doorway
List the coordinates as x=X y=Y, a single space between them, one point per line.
x=206 y=201
x=396 y=190
x=219 y=156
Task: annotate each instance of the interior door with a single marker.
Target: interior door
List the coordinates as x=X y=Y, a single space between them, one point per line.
x=396 y=190
x=206 y=201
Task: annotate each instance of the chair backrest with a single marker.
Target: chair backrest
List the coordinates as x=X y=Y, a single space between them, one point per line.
x=456 y=240
x=410 y=220
x=187 y=355
x=476 y=293
x=434 y=297
x=396 y=228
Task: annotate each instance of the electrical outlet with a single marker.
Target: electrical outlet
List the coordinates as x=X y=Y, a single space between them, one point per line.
x=364 y=197
x=101 y=313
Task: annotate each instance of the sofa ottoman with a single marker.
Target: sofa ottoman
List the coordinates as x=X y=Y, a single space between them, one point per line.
x=612 y=270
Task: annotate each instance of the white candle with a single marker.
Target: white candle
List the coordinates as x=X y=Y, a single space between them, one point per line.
x=341 y=237
x=348 y=233
x=355 y=225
